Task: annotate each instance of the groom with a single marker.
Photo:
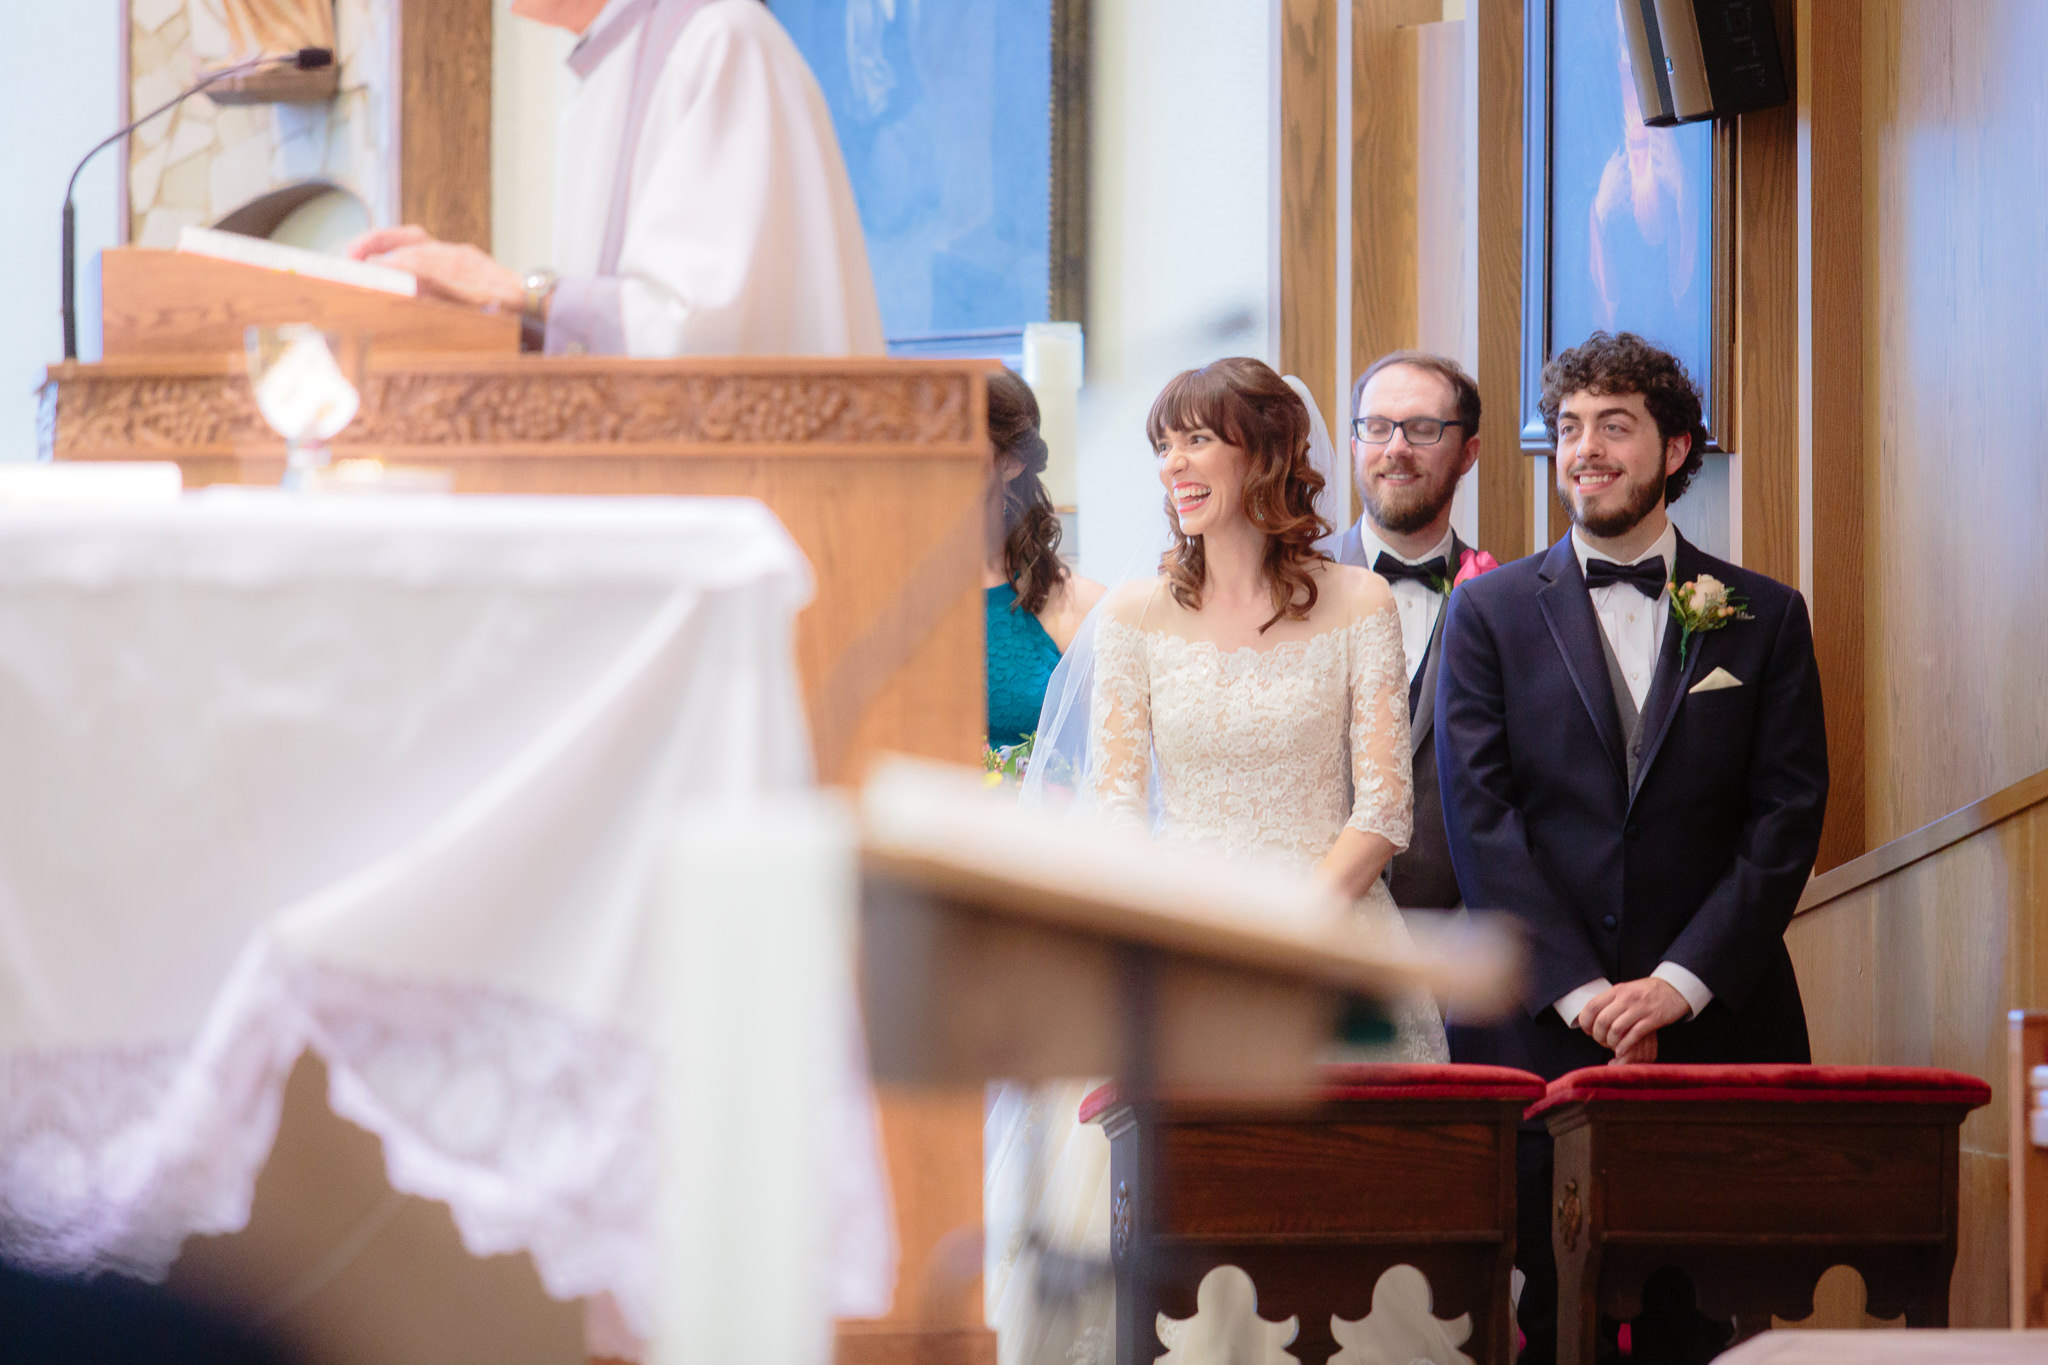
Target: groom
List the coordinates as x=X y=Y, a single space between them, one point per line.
x=1639 y=780
x=1414 y=434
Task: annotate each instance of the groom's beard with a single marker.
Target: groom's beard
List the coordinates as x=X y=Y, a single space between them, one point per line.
x=1408 y=510
x=1641 y=501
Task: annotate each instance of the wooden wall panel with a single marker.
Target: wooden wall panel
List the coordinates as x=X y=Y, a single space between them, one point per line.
x=1832 y=449
x=1504 y=472
x=1918 y=968
x=444 y=118
x=1308 y=198
x=1956 y=172
x=1384 y=129
x=1765 y=430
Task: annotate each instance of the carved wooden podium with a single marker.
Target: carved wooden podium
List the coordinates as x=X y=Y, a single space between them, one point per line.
x=877 y=467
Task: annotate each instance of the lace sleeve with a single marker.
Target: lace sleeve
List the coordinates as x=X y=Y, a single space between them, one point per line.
x=1120 y=723
x=1382 y=769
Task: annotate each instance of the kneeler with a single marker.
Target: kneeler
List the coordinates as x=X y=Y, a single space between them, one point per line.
x=1307 y=1204
x=1753 y=1181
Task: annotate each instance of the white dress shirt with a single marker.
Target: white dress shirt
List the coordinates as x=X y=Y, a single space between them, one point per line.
x=1634 y=627
x=1418 y=603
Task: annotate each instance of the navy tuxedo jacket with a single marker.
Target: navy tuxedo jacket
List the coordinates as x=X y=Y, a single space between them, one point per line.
x=1701 y=864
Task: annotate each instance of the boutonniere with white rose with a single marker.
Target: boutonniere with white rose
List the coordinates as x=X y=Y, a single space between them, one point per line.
x=1701 y=605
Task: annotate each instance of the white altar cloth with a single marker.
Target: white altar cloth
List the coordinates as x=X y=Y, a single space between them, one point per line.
x=395 y=779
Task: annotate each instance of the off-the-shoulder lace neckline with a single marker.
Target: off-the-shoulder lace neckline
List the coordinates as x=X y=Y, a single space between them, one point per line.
x=1256 y=651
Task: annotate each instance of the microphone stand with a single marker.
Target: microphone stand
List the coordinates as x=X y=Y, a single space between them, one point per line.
x=306 y=59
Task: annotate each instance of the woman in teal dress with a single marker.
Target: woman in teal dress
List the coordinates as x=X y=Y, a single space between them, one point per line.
x=1035 y=603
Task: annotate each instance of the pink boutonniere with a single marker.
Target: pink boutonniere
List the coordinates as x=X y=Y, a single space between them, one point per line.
x=1473 y=563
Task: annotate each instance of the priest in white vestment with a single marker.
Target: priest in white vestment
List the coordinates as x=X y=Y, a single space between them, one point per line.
x=702 y=205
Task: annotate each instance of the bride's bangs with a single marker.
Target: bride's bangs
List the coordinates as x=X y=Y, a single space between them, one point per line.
x=1194 y=400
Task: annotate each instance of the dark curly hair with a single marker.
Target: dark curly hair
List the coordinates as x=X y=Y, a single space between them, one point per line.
x=1031 y=526
x=1247 y=405
x=1624 y=363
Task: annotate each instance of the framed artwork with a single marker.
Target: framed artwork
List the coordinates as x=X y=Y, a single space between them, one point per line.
x=1623 y=226
x=964 y=127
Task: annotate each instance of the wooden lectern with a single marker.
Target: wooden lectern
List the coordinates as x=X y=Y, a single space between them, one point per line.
x=877 y=467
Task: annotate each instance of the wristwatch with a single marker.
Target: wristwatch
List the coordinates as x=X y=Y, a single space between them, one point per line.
x=533 y=315
x=539 y=285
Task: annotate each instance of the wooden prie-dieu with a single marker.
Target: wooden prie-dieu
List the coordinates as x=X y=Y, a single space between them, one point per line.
x=1314 y=1200
x=1753 y=1181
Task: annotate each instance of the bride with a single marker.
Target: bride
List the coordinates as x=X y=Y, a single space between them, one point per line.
x=1252 y=697
x=1266 y=681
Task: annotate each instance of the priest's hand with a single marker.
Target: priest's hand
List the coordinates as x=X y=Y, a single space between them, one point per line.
x=1621 y=1017
x=448 y=270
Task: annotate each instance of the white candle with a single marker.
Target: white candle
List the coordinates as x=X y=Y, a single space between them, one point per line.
x=1052 y=367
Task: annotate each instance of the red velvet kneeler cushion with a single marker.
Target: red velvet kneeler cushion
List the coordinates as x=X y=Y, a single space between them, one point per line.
x=1782 y=1083
x=1388 y=1081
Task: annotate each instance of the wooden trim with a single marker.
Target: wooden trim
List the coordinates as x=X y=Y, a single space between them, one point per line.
x=1765 y=430
x=1832 y=442
x=1504 y=475
x=1385 y=126
x=456 y=409
x=1533 y=435
x=1925 y=842
x=1067 y=287
x=1308 y=198
x=444 y=118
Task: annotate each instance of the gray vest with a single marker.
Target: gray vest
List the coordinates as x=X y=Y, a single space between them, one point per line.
x=1624 y=709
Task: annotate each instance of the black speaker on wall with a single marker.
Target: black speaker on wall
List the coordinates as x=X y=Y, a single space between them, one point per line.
x=1703 y=59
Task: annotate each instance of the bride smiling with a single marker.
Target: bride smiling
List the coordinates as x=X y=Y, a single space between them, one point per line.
x=1261 y=684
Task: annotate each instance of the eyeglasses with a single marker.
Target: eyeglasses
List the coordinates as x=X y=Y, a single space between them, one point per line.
x=1420 y=431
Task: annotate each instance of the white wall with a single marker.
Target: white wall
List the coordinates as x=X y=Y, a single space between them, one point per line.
x=528 y=84
x=59 y=94
x=1183 y=202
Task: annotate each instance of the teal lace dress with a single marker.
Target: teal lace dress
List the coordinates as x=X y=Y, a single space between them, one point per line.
x=1021 y=658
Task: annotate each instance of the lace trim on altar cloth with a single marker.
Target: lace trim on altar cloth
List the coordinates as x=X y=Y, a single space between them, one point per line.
x=536 y=1129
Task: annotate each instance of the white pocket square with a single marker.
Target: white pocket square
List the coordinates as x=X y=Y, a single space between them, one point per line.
x=1715 y=681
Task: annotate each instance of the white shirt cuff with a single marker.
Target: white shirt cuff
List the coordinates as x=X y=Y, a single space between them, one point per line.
x=1686 y=984
x=1570 y=1006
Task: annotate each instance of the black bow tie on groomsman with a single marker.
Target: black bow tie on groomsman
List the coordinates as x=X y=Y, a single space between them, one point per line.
x=1646 y=578
x=1434 y=574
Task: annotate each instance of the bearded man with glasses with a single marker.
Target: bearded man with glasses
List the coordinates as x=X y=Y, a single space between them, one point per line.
x=1414 y=434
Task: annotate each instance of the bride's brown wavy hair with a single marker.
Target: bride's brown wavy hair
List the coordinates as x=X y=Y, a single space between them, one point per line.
x=1246 y=405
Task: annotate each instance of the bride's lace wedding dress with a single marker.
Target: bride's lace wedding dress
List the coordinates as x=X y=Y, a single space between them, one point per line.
x=1268 y=752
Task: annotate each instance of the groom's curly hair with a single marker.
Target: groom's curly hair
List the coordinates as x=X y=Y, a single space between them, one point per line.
x=1248 y=406
x=1623 y=363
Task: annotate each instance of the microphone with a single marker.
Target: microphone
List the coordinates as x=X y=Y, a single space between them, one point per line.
x=304 y=59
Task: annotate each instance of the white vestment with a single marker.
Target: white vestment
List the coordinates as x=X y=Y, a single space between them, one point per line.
x=733 y=229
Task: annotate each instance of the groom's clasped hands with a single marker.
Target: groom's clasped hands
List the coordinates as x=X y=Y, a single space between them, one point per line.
x=1625 y=1019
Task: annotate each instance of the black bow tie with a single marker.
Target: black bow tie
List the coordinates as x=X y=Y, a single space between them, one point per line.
x=1646 y=578
x=1431 y=573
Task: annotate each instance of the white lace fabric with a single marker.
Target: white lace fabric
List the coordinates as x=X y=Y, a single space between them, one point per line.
x=1272 y=750
x=535 y=1128
x=1264 y=752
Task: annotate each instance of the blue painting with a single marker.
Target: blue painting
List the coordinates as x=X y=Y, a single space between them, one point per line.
x=1623 y=237
x=944 y=113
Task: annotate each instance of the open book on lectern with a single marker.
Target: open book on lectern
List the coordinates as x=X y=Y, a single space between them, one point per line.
x=201 y=298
